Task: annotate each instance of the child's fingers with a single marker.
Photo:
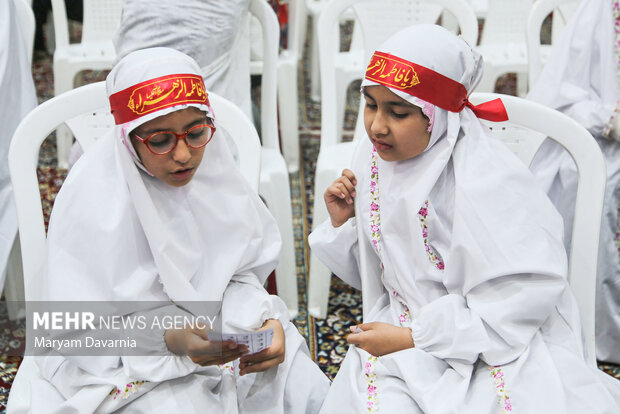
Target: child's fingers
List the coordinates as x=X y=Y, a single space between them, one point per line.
x=205 y=360
x=247 y=368
x=350 y=175
x=355 y=338
x=338 y=191
x=348 y=184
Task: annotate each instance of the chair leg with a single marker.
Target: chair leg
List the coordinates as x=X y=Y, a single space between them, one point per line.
x=288 y=111
x=275 y=190
x=315 y=80
x=319 y=276
x=63 y=82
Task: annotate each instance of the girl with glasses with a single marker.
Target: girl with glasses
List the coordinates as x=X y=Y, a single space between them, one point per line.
x=156 y=216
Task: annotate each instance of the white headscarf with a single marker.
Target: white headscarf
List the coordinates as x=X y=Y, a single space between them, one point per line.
x=496 y=221
x=117 y=233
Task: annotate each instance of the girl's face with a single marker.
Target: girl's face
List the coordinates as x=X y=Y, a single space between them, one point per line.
x=398 y=129
x=178 y=167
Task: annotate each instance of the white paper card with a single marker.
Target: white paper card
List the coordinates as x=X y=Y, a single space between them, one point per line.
x=255 y=341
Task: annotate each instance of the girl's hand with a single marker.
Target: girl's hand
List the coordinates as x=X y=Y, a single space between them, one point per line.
x=380 y=338
x=194 y=342
x=269 y=357
x=339 y=198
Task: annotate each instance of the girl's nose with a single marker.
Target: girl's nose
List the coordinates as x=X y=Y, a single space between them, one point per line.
x=181 y=152
x=379 y=124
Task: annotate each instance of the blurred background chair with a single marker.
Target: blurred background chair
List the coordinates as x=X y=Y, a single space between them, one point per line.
x=502 y=43
x=530 y=123
x=537 y=53
x=85 y=110
x=287 y=83
x=274 y=185
x=335 y=155
x=95 y=52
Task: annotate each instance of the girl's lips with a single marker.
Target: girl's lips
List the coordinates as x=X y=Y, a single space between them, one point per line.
x=381 y=145
x=182 y=174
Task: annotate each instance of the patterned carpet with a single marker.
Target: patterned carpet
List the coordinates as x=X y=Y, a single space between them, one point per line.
x=325 y=338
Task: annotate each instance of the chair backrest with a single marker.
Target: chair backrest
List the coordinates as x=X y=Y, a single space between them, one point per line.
x=328 y=29
x=86 y=111
x=25 y=16
x=270 y=29
x=505 y=22
x=562 y=10
x=100 y=21
x=582 y=147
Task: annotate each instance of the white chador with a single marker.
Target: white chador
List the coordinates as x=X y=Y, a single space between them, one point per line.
x=18 y=96
x=470 y=257
x=582 y=80
x=118 y=234
x=214 y=33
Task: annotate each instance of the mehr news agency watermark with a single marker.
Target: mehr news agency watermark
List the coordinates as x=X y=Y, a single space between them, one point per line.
x=113 y=328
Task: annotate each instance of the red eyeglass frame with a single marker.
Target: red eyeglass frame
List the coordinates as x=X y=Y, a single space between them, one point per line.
x=182 y=136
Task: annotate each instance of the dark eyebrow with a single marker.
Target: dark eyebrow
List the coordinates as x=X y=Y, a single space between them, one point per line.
x=400 y=103
x=185 y=128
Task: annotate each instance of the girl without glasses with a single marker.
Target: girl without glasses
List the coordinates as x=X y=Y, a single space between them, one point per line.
x=474 y=313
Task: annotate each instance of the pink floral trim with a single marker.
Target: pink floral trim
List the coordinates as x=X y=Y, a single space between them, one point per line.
x=500 y=387
x=432 y=256
x=371 y=386
x=228 y=367
x=616 y=12
x=375 y=219
x=130 y=388
x=405 y=317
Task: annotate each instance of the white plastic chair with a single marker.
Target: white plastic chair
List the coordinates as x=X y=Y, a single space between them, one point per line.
x=85 y=110
x=96 y=51
x=541 y=122
x=274 y=185
x=502 y=43
x=334 y=155
x=538 y=54
x=288 y=64
x=25 y=15
x=530 y=123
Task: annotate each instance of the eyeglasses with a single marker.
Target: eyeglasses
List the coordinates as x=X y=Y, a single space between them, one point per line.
x=163 y=142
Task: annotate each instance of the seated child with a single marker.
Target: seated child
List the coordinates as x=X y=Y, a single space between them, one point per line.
x=474 y=314
x=157 y=211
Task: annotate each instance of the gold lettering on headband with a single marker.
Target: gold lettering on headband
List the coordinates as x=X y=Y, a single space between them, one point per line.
x=391 y=72
x=150 y=97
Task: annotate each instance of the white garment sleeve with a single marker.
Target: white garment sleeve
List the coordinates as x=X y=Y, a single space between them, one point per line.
x=247 y=305
x=337 y=248
x=495 y=321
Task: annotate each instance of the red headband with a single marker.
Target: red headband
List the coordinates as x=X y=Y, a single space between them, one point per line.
x=155 y=94
x=426 y=84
